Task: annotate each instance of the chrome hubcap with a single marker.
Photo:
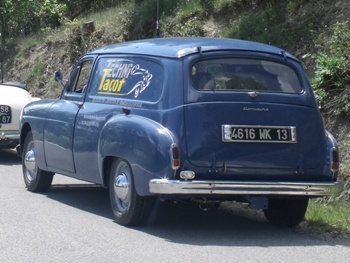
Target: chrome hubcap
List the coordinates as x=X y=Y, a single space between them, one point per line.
x=121 y=187
x=30 y=165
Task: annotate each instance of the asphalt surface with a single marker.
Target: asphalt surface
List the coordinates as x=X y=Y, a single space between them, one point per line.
x=73 y=223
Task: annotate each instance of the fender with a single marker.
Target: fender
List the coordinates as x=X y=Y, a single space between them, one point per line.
x=33 y=118
x=144 y=143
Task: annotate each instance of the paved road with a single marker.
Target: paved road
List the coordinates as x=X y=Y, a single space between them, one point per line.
x=73 y=223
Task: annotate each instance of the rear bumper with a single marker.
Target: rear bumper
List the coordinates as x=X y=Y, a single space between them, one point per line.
x=177 y=187
x=8 y=139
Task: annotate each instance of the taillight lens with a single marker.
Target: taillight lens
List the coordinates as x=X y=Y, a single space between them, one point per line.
x=175 y=156
x=335 y=160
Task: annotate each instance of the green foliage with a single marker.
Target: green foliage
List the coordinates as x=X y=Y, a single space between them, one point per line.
x=36 y=72
x=329 y=72
x=255 y=26
x=142 y=20
x=74 y=40
x=344 y=149
x=53 y=89
x=272 y=23
x=30 y=42
x=223 y=7
x=191 y=8
x=293 y=6
x=329 y=216
x=187 y=19
x=189 y=27
x=25 y=17
x=331 y=80
x=79 y=8
x=35 y=78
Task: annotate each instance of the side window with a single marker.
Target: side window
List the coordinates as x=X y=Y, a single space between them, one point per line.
x=129 y=78
x=82 y=77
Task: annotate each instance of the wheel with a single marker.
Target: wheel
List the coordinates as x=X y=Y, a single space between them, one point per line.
x=128 y=207
x=35 y=179
x=286 y=212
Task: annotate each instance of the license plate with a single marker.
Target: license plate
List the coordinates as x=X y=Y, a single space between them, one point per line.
x=269 y=134
x=5 y=114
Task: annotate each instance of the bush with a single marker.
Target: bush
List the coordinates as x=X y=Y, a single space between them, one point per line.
x=142 y=20
x=332 y=75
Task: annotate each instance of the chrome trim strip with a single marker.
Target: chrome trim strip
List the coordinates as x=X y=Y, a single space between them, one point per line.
x=175 y=187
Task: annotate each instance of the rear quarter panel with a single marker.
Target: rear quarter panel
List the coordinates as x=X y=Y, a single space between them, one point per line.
x=144 y=143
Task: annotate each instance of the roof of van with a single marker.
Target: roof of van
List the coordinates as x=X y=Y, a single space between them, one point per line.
x=177 y=47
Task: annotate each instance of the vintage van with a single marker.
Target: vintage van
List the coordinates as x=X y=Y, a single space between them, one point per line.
x=201 y=119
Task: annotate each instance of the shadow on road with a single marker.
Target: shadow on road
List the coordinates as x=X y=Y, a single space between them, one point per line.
x=9 y=157
x=88 y=197
x=186 y=223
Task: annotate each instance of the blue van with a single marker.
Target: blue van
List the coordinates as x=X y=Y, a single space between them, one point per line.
x=199 y=119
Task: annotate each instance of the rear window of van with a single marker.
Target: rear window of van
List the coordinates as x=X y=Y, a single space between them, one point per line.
x=244 y=74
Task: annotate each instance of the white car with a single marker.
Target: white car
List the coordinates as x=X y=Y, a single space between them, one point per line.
x=13 y=97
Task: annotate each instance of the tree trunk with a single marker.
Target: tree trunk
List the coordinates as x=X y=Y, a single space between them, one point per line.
x=3 y=32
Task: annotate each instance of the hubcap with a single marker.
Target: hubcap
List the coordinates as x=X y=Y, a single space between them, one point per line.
x=121 y=186
x=30 y=165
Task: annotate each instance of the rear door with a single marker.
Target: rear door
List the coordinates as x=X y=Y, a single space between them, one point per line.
x=249 y=114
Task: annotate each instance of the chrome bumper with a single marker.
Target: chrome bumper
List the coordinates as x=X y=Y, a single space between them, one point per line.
x=177 y=187
x=9 y=136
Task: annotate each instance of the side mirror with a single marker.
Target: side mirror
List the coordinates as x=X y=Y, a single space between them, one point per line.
x=59 y=77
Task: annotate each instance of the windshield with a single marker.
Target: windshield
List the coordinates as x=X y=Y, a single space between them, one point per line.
x=244 y=74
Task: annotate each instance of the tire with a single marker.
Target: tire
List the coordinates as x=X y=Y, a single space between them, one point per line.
x=286 y=212
x=129 y=209
x=35 y=179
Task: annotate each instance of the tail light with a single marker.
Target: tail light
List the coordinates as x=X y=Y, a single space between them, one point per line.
x=334 y=160
x=175 y=156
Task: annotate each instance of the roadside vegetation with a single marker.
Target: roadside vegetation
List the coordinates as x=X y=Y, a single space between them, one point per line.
x=331 y=217
x=316 y=31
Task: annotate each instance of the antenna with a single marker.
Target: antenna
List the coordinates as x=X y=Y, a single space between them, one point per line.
x=157 y=23
x=1 y=71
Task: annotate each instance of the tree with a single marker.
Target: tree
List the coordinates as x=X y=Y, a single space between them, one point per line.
x=24 y=17
x=5 y=13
